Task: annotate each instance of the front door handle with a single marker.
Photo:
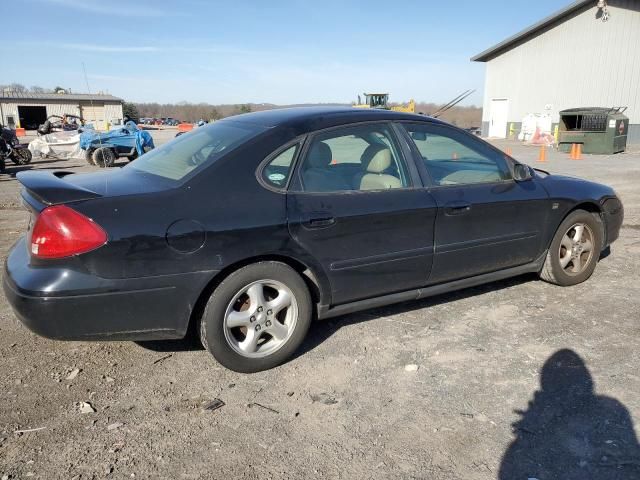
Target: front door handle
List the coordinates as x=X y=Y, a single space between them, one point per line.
x=457 y=208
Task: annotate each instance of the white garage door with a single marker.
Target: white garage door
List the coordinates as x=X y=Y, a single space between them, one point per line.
x=95 y=115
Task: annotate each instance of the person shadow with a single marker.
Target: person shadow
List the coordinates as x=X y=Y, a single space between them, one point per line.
x=569 y=432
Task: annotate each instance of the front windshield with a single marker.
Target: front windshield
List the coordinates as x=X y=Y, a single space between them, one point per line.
x=204 y=145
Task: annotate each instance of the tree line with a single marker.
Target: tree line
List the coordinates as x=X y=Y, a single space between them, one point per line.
x=465 y=117
x=20 y=88
x=192 y=112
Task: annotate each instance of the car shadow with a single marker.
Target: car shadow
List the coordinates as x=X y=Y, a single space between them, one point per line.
x=569 y=432
x=321 y=330
x=187 y=344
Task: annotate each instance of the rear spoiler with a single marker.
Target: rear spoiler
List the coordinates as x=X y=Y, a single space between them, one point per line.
x=50 y=188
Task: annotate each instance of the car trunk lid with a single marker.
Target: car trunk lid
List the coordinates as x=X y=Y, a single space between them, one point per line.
x=42 y=189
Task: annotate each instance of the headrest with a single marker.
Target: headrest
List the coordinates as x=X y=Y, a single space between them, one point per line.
x=377 y=158
x=319 y=156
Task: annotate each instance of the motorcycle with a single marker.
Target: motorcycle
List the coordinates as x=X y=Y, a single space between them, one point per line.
x=12 y=149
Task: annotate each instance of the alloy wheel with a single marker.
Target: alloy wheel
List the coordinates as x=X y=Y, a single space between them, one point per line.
x=260 y=318
x=576 y=249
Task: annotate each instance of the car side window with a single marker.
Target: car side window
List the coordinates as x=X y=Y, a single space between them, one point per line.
x=358 y=158
x=451 y=158
x=276 y=173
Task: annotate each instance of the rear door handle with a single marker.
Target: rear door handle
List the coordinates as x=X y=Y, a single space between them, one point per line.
x=457 y=208
x=320 y=222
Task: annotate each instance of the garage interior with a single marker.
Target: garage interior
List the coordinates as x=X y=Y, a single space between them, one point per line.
x=31 y=116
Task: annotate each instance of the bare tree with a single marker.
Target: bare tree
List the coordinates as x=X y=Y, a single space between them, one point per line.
x=37 y=89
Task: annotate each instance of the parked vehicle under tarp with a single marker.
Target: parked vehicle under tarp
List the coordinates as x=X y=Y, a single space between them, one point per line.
x=103 y=149
x=59 y=145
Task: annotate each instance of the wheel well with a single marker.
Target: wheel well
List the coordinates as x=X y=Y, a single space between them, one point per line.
x=590 y=207
x=305 y=272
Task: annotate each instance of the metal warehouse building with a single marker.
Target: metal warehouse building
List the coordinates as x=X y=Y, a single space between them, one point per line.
x=586 y=55
x=28 y=110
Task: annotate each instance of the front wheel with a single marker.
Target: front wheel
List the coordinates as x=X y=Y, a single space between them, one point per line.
x=575 y=249
x=257 y=317
x=21 y=156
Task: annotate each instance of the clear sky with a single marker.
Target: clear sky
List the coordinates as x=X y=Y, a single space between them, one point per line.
x=275 y=51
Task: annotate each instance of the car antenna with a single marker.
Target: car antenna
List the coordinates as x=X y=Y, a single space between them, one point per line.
x=86 y=80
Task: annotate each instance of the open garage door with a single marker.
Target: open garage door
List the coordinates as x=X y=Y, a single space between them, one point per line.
x=31 y=117
x=95 y=115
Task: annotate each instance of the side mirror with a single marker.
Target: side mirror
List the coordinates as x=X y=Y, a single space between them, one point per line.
x=521 y=172
x=420 y=136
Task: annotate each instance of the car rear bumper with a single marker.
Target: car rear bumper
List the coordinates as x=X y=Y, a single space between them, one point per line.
x=68 y=304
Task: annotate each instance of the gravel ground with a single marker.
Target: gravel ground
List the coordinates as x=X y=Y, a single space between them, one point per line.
x=427 y=389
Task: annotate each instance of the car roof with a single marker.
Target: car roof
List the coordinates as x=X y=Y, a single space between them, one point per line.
x=314 y=118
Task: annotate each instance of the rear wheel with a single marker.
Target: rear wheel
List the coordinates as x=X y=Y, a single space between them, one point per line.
x=257 y=317
x=104 y=157
x=88 y=156
x=575 y=249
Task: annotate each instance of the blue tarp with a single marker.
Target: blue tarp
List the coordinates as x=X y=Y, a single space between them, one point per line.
x=125 y=136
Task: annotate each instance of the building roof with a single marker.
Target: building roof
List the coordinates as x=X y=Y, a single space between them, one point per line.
x=531 y=31
x=73 y=97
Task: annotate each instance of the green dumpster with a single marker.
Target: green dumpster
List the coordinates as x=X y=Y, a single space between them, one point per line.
x=599 y=130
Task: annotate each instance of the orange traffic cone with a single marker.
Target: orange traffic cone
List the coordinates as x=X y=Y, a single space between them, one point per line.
x=578 y=151
x=542 y=156
x=509 y=152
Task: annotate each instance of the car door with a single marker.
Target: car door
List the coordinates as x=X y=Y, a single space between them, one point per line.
x=486 y=220
x=357 y=206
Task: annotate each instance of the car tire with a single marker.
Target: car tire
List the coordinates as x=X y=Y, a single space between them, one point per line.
x=257 y=317
x=575 y=249
x=88 y=156
x=22 y=156
x=104 y=157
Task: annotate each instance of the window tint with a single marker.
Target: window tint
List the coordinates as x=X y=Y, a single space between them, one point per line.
x=355 y=158
x=453 y=159
x=202 y=146
x=277 y=171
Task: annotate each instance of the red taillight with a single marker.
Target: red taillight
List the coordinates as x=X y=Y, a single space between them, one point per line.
x=60 y=232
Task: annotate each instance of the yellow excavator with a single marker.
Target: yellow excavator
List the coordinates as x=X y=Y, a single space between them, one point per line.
x=381 y=100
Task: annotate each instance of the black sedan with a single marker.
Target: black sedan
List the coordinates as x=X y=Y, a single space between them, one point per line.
x=251 y=227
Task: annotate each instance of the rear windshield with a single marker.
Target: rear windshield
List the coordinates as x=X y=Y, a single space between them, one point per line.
x=189 y=151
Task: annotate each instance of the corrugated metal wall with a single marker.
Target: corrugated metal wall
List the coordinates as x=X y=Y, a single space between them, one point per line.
x=582 y=62
x=113 y=111
x=11 y=109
